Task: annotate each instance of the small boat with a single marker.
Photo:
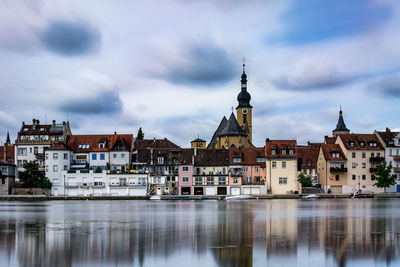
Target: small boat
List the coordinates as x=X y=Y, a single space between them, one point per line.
x=362 y=195
x=203 y=198
x=311 y=196
x=155 y=198
x=180 y=197
x=239 y=197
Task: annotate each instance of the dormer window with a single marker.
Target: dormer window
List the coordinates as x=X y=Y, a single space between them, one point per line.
x=391 y=142
x=237 y=160
x=291 y=151
x=260 y=159
x=273 y=152
x=101 y=145
x=25 y=129
x=372 y=144
x=335 y=155
x=352 y=144
x=283 y=152
x=362 y=144
x=160 y=160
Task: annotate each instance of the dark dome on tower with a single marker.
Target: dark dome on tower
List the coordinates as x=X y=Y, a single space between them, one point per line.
x=244 y=96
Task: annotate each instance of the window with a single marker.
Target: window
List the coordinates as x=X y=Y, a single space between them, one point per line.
x=185 y=169
x=47 y=155
x=122 y=156
x=30 y=150
x=351 y=144
x=210 y=180
x=223 y=170
x=55 y=155
x=260 y=159
x=102 y=156
x=65 y=167
x=353 y=165
x=364 y=177
x=273 y=164
x=284 y=152
x=221 y=180
x=237 y=160
x=337 y=178
x=185 y=179
x=160 y=160
x=378 y=155
x=94 y=156
x=291 y=151
x=21 y=151
x=235 y=180
x=353 y=155
x=390 y=152
x=155 y=180
x=372 y=155
x=245 y=169
x=55 y=168
x=198 y=181
x=364 y=165
x=101 y=145
x=66 y=156
x=114 y=156
x=159 y=179
x=282 y=180
x=283 y=164
x=273 y=152
x=363 y=155
x=35 y=150
x=353 y=177
x=255 y=169
x=308 y=162
x=47 y=167
x=362 y=144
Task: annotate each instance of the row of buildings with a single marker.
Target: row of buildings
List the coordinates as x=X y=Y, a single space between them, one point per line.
x=117 y=164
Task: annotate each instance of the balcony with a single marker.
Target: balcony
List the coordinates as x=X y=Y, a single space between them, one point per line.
x=117 y=185
x=236 y=174
x=338 y=169
x=376 y=159
x=71 y=171
x=39 y=155
x=396 y=169
x=102 y=185
x=74 y=185
x=262 y=182
x=373 y=169
x=397 y=157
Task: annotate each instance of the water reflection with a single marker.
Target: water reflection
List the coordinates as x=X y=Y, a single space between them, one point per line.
x=207 y=233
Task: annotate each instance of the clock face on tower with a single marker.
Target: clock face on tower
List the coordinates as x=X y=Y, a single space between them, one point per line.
x=244 y=111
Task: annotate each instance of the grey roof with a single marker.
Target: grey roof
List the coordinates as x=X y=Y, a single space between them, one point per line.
x=341 y=126
x=56 y=128
x=221 y=126
x=232 y=128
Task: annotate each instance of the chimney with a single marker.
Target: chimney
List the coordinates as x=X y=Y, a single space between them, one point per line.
x=387 y=130
x=33 y=124
x=54 y=122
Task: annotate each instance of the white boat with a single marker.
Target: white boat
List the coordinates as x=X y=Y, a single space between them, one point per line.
x=312 y=196
x=155 y=198
x=239 y=197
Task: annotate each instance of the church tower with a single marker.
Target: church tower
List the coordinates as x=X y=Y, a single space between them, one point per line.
x=244 y=109
x=340 y=126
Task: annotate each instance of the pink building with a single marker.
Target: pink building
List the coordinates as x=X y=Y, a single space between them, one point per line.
x=185 y=174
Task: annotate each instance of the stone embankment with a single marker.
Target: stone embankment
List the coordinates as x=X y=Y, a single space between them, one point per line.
x=294 y=196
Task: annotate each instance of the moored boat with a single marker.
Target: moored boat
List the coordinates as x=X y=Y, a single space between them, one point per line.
x=239 y=197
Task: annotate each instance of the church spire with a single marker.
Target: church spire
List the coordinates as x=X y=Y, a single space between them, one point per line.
x=244 y=96
x=340 y=126
x=8 y=139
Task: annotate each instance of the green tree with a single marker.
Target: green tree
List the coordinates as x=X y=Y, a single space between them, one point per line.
x=304 y=180
x=140 y=134
x=32 y=177
x=383 y=177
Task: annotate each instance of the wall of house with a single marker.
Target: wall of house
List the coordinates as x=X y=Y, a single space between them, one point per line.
x=290 y=173
x=181 y=174
x=99 y=162
x=62 y=164
x=118 y=159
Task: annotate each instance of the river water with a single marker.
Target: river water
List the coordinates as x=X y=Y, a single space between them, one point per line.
x=350 y=232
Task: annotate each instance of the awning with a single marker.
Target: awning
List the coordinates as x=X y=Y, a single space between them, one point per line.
x=78 y=166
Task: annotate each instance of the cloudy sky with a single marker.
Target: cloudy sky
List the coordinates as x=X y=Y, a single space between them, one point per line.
x=173 y=66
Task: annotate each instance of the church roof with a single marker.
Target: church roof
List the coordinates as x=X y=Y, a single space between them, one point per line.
x=221 y=126
x=341 y=126
x=232 y=128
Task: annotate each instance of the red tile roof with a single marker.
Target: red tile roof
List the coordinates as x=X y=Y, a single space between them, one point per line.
x=212 y=157
x=279 y=146
x=154 y=143
x=360 y=138
x=110 y=140
x=330 y=140
x=172 y=156
x=388 y=137
x=308 y=156
x=328 y=149
x=248 y=156
x=58 y=146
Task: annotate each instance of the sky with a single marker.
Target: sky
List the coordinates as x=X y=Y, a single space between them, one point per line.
x=173 y=67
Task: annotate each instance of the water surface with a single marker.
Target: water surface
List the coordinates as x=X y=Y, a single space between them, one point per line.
x=351 y=232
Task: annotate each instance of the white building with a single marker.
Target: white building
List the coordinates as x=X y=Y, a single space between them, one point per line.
x=391 y=142
x=33 y=139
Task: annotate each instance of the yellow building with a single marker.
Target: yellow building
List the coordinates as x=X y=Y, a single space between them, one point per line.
x=198 y=143
x=237 y=131
x=282 y=166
